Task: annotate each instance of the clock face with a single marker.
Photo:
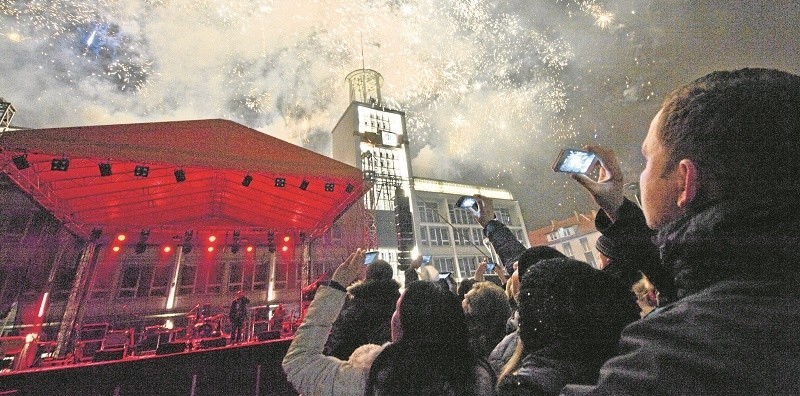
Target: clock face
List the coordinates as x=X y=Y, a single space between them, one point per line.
x=389 y=139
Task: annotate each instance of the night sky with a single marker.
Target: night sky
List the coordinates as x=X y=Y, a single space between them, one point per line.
x=492 y=90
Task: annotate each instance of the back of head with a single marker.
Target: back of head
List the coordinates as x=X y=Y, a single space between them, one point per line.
x=535 y=254
x=569 y=310
x=741 y=129
x=432 y=357
x=379 y=270
x=487 y=311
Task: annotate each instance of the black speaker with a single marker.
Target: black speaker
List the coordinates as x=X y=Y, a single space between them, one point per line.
x=268 y=335
x=106 y=355
x=171 y=347
x=213 y=342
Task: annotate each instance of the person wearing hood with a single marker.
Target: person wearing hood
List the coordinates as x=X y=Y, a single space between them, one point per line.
x=366 y=316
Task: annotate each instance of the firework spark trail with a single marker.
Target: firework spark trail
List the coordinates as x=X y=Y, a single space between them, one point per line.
x=472 y=79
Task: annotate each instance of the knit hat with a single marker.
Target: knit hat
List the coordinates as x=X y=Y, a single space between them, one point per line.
x=379 y=270
x=608 y=247
x=534 y=255
x=568 y=305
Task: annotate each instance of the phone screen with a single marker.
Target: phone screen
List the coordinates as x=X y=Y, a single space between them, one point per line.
x=490 y=266
x=574 y=161
x=426 y=259
x=467 y=202
x=370 y=257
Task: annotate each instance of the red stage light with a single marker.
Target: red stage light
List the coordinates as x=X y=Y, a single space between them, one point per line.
x=285 y=248
x=121 y=237
x=167 y=249
x=115 y=248
x=212 y=238
x=210 y=248
x=249 y=248
x=286 y=238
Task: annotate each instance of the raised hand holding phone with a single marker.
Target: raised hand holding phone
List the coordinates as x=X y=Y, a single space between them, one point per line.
x=607 y=191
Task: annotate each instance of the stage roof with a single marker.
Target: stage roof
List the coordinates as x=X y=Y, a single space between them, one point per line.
x=195 y=181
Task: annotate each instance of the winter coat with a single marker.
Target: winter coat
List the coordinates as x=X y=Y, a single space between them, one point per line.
x=502 y=353
x=313 y=373
x=505 y=243
x=735 y=328
x=539 y=375
x=365 y=318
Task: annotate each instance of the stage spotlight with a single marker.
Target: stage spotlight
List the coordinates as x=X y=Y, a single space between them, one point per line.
x=59 y=164
x=247 y=180
x=212 y=238
x=167 y=249
x=249 y=248
x=21 y=161
x=105 y=169
x=180 y=175
x=210 y=249
x=304 y=185
x=141 y=171
x=349 y=188
x=280 y=182
x=115 y=248
x=329 y=187
x=121 y=237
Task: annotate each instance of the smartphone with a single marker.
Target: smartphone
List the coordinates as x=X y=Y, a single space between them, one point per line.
x=370 y=257
x=574 y=161
x=467 y=201
x=489 y=266
x=426 y=259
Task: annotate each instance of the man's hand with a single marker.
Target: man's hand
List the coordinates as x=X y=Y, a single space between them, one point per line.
x=416 y=263
x=607 y=191
x=485 y=209
x=351 y=269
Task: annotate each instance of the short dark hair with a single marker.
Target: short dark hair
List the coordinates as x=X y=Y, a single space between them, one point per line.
x=740 y=128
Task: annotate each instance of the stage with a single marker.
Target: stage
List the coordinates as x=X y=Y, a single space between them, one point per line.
x=210 y=368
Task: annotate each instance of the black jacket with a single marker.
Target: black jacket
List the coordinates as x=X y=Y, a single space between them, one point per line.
x=505 y=243
x=735 y=328
x=365 y=318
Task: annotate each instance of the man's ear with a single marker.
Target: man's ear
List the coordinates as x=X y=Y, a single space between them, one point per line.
x=688 y=179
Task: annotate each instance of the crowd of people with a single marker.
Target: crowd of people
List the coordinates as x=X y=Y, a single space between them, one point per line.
x=697 y=294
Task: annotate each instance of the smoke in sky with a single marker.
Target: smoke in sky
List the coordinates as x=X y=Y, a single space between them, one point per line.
x=492 y=89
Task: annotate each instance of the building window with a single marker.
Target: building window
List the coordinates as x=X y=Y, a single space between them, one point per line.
x=520 y=236
x=552 y=236
x=236 y=277
x=186 y=279
x=439 y=236
x=423 y=235
x=460 y=215
x=428 y=212
x=567 y=249
x=444 y=264
x=585 y=245
x=261 y=273
x=161 y=273
x=503 y=216
x=590 y=259
x=129 y=281
x=477 y=236
x=567 y=231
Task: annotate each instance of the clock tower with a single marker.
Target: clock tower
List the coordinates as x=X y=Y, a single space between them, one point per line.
x=373 y=138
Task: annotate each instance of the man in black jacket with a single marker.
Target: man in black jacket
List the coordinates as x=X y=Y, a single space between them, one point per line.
x=721 y=168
